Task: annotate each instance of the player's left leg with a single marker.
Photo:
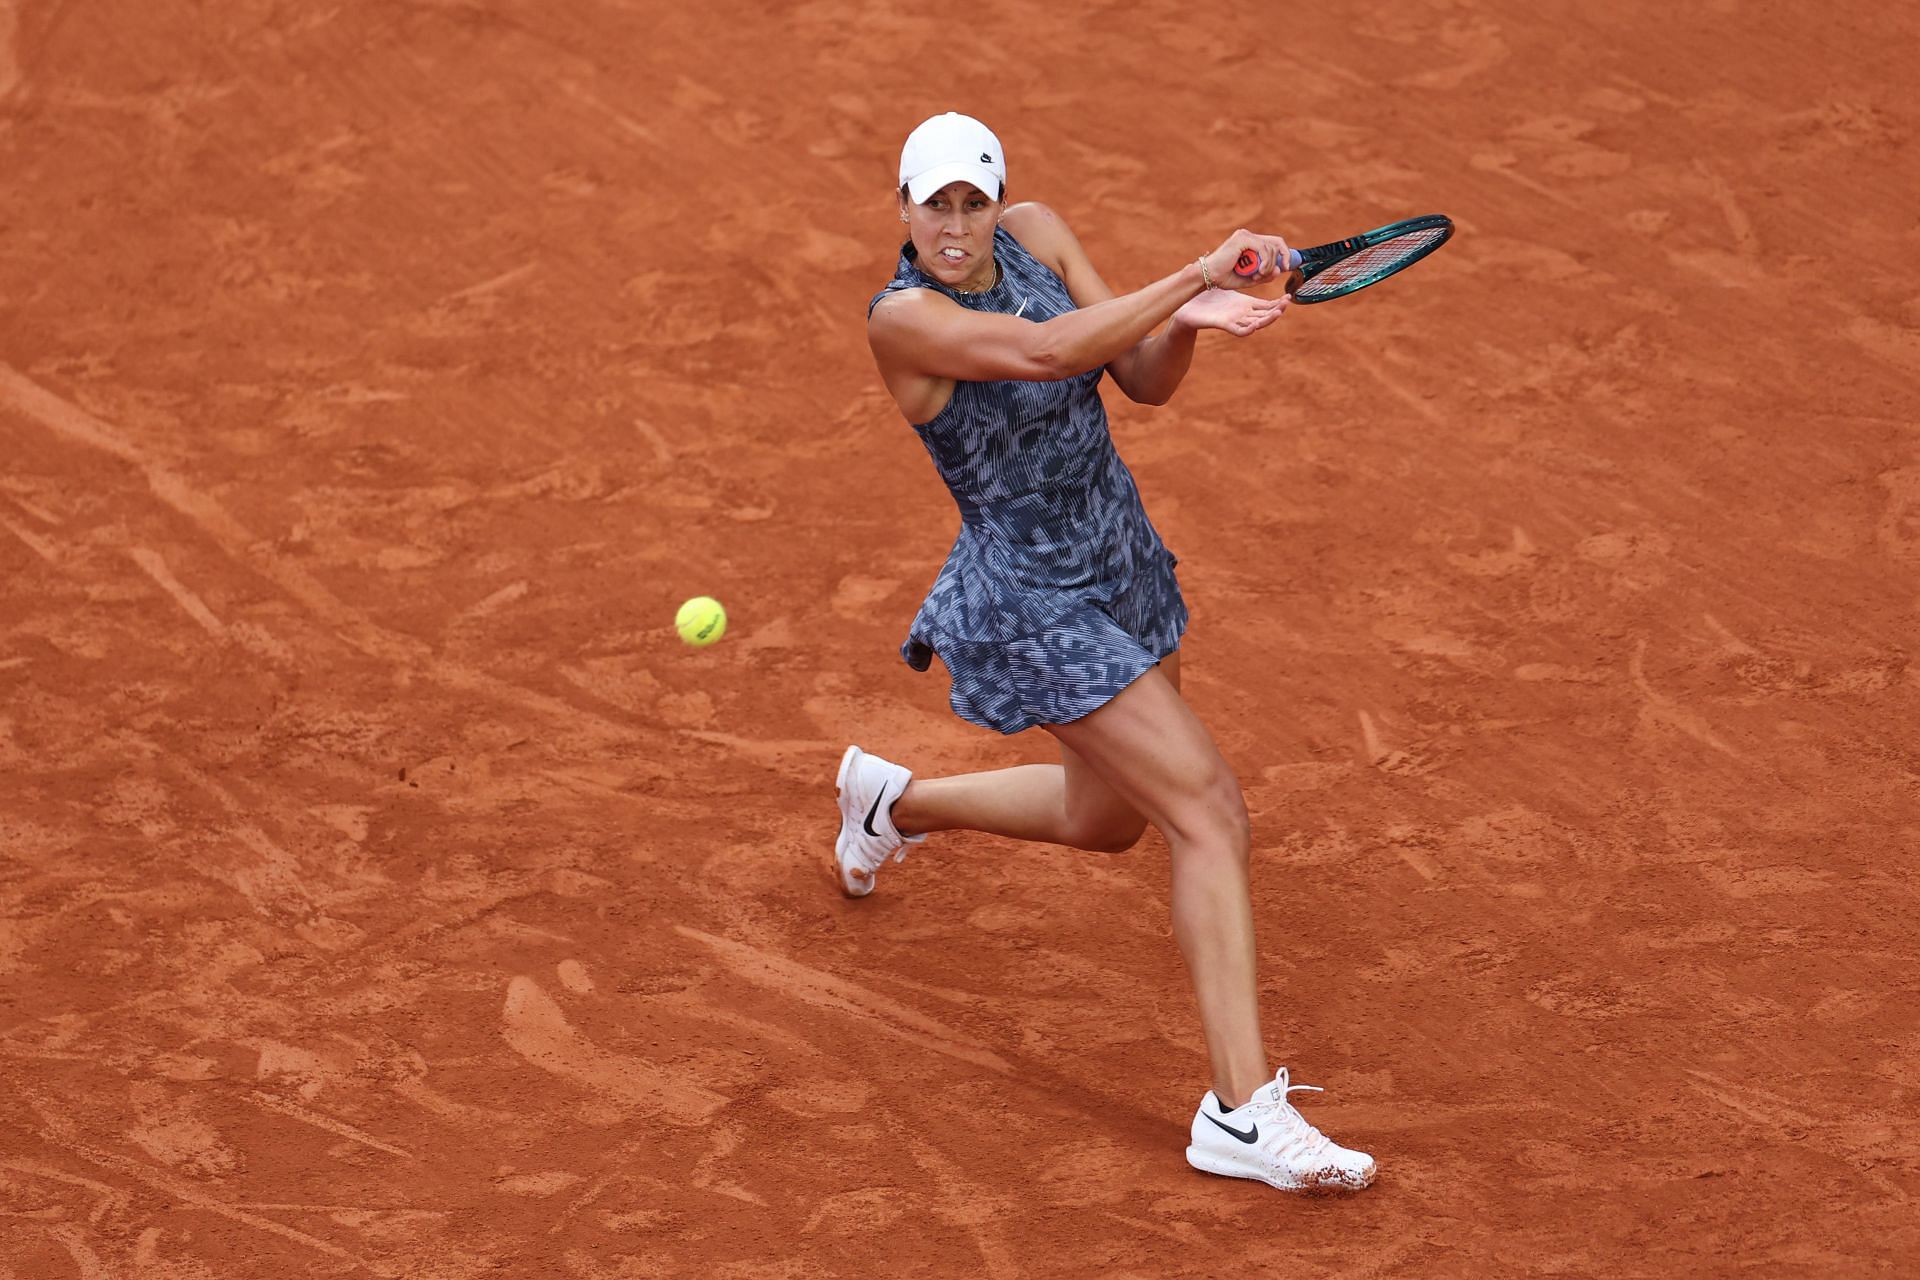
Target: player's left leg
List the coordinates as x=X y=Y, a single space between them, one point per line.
x=1067 y=803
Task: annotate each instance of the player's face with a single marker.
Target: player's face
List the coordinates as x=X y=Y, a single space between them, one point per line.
x=952 y=230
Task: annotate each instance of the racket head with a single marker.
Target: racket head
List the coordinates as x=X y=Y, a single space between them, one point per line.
x=1334 y=270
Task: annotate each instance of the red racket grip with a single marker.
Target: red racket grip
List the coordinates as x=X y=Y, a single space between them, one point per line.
x=1247 y=265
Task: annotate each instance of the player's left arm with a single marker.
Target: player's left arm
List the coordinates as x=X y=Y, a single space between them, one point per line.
x=1150 y=370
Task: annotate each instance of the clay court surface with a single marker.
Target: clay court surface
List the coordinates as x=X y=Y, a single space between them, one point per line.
x=385 y=890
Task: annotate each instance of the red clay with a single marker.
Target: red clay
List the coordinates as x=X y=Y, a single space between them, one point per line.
x=384 y=889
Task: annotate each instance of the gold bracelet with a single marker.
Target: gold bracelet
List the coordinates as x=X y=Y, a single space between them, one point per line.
x=1206 y=276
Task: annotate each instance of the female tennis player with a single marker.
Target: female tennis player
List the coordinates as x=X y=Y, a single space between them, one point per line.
x=1058 y=607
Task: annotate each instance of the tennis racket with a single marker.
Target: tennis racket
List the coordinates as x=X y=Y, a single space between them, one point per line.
x=1346 y=266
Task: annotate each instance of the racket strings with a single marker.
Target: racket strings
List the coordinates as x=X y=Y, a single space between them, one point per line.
x=1374 y=262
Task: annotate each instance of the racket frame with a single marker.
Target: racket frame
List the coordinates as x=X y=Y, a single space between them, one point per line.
x=1312 y=262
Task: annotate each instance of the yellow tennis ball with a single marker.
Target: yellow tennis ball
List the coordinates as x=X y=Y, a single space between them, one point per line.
x=700 y=621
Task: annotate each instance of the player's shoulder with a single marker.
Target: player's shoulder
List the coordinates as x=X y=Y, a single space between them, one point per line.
x=904 y=312
x=1043 y=233
x=1035 y=225
x=912 y=300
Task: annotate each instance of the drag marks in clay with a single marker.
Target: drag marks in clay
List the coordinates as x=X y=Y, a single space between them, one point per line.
x=826 y=991
x=11 y=75
x=385 y=890
x=537 y=1030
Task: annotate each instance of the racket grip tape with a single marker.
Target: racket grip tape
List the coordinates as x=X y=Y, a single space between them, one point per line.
x=1248 y=263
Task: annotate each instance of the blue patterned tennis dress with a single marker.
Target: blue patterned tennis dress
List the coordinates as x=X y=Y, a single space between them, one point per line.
x=1058 y=592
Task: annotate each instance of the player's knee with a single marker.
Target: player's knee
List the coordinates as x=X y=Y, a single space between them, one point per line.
x=1239 y=824
x=1214 y=821
x=1218 y=851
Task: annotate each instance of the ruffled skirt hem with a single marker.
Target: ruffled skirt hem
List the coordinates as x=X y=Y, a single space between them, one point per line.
x=1069 y=669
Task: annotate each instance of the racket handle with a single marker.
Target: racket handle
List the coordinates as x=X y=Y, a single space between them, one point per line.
x=1248 y=263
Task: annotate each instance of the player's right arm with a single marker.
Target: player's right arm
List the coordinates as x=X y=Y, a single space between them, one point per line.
x=921 y=333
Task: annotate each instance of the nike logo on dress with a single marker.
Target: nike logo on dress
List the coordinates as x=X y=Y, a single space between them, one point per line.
x=871 y=812
x=1252 y=1135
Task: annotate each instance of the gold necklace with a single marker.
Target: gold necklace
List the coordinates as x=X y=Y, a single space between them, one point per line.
x=989 y=288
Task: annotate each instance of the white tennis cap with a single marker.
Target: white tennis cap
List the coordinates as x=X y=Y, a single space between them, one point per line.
x=952 y=148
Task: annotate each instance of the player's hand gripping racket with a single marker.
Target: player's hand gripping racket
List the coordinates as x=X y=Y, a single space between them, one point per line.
x=1344 y=266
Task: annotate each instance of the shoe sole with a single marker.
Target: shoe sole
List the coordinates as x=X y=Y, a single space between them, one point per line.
x=839 y=843
x=1207 y=1162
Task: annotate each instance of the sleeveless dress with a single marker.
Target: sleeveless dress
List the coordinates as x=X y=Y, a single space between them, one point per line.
x=1058 y=592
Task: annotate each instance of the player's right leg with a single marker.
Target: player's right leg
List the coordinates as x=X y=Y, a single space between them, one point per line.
x=1151 y=749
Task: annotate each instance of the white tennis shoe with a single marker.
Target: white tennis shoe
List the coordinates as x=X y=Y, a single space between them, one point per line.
x=1270 y=1142
x=868 y=786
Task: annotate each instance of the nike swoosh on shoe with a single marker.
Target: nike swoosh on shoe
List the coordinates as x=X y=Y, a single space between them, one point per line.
x=871 y=813
x=1252 y=1135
